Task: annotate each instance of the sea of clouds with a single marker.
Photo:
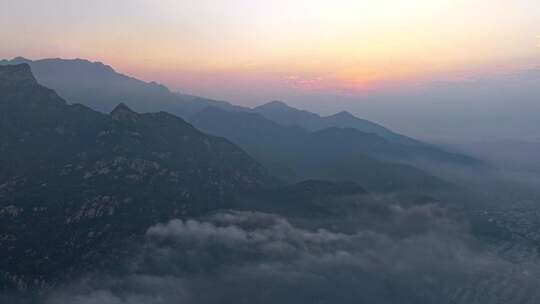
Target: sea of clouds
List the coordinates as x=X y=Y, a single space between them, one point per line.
x=412 y=254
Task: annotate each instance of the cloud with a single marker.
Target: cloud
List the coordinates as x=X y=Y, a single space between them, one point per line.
x=196 y=230
x=129 y=289
x=96 y=297
x=265 y=234
x=254 y=257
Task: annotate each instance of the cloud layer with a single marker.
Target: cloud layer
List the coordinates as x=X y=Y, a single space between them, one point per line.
x=253 y=257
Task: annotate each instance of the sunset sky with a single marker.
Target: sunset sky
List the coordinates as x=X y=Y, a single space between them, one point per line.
x=253 y=51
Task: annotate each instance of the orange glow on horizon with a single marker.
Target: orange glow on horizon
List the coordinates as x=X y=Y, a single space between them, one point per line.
x=341 y=45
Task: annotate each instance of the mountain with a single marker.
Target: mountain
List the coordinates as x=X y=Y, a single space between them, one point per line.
x=100 y=87
x=109 y=208
x=282 y=113
x=76 y=184
x=79 y=188
x=295 y=154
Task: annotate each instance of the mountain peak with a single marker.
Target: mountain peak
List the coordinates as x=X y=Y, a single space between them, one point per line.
x=123 y=113
x=16 y=75
x=275 y=104
x=344 y=114
x=19 y=60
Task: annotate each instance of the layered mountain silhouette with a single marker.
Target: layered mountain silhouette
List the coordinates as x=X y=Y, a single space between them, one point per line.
x=100 y=87
x=295 y=154
x=282 y=113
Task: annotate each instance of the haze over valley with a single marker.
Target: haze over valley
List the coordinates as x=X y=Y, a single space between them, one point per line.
x=269 y=152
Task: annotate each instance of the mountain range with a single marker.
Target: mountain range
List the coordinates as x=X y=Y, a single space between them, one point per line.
x=295 y=154
x=284 y=114
x=78 y=186
x=100 y=87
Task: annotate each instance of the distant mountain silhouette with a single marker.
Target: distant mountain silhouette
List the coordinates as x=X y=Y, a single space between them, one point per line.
x=100 y=87
x=282 y=113
x=294 y=154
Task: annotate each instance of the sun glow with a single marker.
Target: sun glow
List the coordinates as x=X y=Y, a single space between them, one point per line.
x=322 y=44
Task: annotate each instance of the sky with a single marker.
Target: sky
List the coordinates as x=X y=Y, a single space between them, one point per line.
x=318 y=54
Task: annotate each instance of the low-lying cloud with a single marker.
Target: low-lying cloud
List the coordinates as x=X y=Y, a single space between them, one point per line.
x=254 y=257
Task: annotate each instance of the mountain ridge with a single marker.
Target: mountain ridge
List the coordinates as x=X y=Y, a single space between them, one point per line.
x=295 y=154
x=111 y=88
x=150 y=96
x=284 y=114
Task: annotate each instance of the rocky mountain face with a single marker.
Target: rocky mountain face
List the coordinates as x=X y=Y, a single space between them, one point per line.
x=75 y=184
